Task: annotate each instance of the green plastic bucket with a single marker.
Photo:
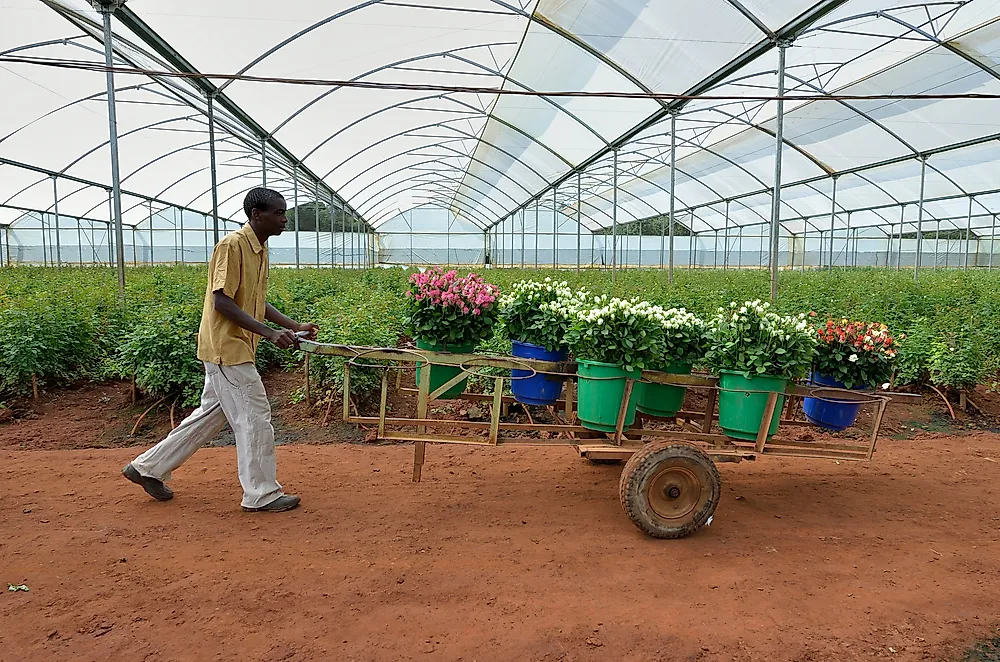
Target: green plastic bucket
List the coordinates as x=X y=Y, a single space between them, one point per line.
x=742 y=403
x=442 y=374
x=663 y=400
x=601 y=387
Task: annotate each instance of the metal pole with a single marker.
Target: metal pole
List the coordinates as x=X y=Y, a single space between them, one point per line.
x=579 y=205
x=739 y=250
x=673 y=197
x=805 y=246
x=524 y=211
x=888 y=246
x=692 y=255
x=79 y=242
x=725 y=251
x=555 y=232
x=295 y=201
x=968 y=233
x=614 y=214
x=833 y=218
x=212 y=168
x=55 y=197
x=899 y=245
x=993 y=231
x=150 y=206
x=715 y=250
x=776 y=196
x=263 y=163
x=106 y=11
x=205 y=234
x=920 y=220
x=537 y=203
x=937 y=241
x=847 y=243
x=316 y=219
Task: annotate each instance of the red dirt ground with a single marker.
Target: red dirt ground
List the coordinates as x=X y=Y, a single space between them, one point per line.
x=502 y=554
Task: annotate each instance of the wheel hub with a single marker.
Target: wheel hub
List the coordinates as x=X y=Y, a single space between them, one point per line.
x=674 y=492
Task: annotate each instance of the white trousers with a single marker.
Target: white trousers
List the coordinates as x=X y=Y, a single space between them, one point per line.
x=234 y=394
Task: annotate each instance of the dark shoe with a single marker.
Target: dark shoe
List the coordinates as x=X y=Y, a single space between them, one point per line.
x=154 y=488
x=279 y=505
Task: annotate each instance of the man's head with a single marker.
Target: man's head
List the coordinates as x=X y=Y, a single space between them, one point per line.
x=265 y=209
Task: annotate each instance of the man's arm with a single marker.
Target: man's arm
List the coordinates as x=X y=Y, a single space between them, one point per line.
x=272 y=314
x=283 y=338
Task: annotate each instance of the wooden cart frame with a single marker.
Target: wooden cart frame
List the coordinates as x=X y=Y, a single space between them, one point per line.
x=669 y=487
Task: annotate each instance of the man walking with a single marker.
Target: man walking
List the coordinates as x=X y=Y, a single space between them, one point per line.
x=231 y=324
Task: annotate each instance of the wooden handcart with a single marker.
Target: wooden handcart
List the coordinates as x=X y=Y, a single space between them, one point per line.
x=669 y=486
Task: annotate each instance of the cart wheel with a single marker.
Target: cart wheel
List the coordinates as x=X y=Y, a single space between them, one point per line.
x=669 y=490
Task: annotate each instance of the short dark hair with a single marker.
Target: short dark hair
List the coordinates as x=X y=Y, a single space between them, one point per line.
x=262 y=199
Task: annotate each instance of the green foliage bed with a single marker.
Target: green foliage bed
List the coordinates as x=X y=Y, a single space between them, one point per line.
x=66 y=325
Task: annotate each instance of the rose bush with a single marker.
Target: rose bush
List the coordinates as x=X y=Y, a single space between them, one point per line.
x=753 y=340
x=541 y=313
x=855 y=353
x=627 y=333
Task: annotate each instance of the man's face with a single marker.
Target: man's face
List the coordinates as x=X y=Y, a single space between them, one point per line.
x=271 y=220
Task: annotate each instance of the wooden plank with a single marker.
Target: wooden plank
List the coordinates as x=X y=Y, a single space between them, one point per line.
x=308 y=395
x=876 y=425
x=785 y=443
x=495 y=412
x=347 y=391
x=623 y=411
x=818 y=455
x=765 y=421
x=569 y=388
x=440 y=390
x=446 y=423
x=437 y=358
x=424 y=439
x=706 y=421
x=382 y=403
x=418 y=447
x=680 y=435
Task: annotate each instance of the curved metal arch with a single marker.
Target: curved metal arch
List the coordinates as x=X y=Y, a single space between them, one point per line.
x=391 y=65
x=274 y=49
x=123 y=135
x=430 y=201
x=423 y=173
x=442 y=145
x=428 y=188
x=444 y=124
x=379 y=198
x=476 y=217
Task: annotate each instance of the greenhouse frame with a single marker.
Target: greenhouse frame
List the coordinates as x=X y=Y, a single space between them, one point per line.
x=511 y=133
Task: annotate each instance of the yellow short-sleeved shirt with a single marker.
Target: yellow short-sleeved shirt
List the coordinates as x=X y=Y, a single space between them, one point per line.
x=239 y=268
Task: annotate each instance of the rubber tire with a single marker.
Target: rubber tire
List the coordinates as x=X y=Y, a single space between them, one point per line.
x=643 y=465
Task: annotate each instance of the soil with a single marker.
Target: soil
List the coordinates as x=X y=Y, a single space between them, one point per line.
x=497 y=554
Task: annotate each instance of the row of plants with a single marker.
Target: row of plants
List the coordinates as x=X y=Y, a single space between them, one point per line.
x=62 y=326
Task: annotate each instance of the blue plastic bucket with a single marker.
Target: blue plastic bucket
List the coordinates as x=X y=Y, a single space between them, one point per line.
x=830 y=413
x=538 y=389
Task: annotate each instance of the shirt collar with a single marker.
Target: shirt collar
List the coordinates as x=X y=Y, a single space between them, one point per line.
x=252 y=236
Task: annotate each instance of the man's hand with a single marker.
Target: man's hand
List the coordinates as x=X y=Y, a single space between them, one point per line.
x=309 y=327
x=283 y=338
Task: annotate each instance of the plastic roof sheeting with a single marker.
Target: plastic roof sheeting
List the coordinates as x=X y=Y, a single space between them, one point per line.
x=483 y=159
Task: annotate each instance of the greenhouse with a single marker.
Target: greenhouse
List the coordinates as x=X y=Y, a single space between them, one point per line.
x=561 y=133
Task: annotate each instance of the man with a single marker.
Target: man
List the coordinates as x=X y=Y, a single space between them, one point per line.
x=231 y=324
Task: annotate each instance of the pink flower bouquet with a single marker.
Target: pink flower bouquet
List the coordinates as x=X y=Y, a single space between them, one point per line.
x=445 y=309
